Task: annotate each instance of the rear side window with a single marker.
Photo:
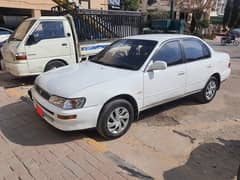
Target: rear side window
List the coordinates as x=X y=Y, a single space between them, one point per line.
x=195 y=50
x=3 y=32
x=49 y=30
x=170 y=53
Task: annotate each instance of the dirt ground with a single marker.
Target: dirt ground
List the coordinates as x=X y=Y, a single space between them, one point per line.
x=182 y=140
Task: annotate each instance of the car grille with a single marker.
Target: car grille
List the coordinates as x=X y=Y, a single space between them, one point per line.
x=42 y=92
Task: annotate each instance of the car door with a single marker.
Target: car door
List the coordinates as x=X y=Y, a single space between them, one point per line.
x=198 y=64
x=51 y=42
x=163 y=85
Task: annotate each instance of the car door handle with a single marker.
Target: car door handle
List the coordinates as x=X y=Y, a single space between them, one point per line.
x=64 y=44
x=181 y=73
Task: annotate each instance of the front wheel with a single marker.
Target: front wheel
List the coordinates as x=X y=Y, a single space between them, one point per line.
x=53 y=65
x=115 y=119
x=209 y=91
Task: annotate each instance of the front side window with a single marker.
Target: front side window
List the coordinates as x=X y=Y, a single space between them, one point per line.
x=49 y=30
x=126 y=53
x=170 y=53
x=195 y=50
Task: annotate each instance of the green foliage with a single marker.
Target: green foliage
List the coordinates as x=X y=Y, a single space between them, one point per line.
x=204 y=23
x=129 y=5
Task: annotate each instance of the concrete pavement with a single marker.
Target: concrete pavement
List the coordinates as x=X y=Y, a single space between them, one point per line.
x=32 y=149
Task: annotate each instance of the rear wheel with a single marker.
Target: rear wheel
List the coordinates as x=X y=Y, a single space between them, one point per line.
x=235 y=42
x=53 y=65
x=115 y=119
x=209 y=91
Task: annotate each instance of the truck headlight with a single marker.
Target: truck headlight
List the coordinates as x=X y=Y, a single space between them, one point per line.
x=67 y=104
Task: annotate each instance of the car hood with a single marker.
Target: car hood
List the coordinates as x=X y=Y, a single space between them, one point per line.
x=70 y=80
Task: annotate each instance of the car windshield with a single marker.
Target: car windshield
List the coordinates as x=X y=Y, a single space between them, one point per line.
x=22 y=30
x=126 y=53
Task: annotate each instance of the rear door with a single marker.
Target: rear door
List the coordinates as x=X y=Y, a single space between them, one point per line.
x=51 y=42
x=198 y=63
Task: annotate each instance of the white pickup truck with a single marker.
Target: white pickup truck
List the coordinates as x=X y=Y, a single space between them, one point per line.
x=44 y=43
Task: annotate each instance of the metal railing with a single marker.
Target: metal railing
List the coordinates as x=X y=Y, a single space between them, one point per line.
x=102 y=24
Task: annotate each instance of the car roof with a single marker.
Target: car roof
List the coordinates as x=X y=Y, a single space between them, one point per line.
x=47 y=18
x=160 y=37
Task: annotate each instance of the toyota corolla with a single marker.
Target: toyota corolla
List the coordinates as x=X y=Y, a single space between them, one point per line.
x=131 y=75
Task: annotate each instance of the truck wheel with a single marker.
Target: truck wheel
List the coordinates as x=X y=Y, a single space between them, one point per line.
x=209 y=91
x=115 y=119
x=53 y=65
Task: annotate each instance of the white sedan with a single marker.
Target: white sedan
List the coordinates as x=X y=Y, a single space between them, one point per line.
x=4 y=34
x=131 y=75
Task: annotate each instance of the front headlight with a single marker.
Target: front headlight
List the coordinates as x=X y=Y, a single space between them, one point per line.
x=67 y=104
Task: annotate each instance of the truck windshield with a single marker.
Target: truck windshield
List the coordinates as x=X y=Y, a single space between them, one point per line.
x=126 y=53
x=22 y=30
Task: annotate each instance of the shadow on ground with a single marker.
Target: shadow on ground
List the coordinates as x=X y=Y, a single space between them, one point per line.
x=21 y=125
x=211 y=161
x=9 y=81
x=154 y=116
x=187 y=101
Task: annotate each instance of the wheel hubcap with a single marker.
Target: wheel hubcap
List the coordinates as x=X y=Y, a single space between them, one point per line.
x=211 y=90
x=118 y=120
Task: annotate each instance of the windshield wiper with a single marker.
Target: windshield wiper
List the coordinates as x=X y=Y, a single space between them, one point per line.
x=113 y=65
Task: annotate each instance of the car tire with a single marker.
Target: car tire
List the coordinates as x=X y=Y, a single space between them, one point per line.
x=235 y=42
x=209 y=91
x=53 y=65
x=115 y=119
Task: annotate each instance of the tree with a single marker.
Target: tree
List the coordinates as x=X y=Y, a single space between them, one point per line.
x=200 y=12
x=232 y=14
x=129 y=5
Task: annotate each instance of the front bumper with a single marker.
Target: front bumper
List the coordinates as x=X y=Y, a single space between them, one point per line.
x=86 y=117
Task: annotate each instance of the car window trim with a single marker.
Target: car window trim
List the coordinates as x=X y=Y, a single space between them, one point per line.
x=197 y=59
x=64 y=32
x=159 y=47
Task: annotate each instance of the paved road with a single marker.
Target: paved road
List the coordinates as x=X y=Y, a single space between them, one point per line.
x=182 y=140
x=32 y=149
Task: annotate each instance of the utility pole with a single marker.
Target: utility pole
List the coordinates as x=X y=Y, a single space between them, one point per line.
x=172 y=9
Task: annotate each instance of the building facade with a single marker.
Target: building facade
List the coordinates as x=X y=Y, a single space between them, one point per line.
x=13 y=11
x=161 y=8
x=218 y=8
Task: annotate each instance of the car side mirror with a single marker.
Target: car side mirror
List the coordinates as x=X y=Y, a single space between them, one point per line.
x=157 y=65
x=32 y=40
